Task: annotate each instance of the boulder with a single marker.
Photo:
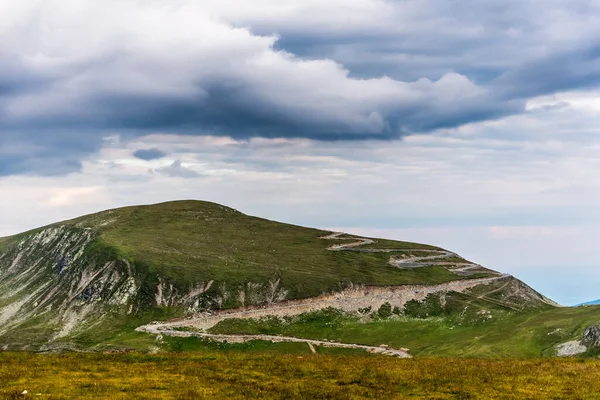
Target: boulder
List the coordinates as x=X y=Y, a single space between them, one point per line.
x=591 y=336
x=569 y=349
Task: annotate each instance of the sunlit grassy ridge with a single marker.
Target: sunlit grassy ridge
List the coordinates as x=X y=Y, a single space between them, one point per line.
x=237 y=375
x=189 y=241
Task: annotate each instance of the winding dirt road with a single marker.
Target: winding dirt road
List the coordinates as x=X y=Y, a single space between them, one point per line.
x=383 y=349
x=437 y=257
x=349 y=300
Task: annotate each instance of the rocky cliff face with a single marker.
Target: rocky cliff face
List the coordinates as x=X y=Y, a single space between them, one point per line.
x=591 y=336
x=50 y=285
x=55 y=283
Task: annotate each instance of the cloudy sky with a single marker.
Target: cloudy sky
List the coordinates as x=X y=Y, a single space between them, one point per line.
x=467 y=124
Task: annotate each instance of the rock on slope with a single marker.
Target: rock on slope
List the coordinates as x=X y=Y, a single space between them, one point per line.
x=81 y=282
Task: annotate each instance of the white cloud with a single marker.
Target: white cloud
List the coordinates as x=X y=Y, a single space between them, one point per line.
x=95 y=53
x=588 y=101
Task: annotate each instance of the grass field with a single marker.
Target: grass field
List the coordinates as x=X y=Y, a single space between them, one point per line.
x=496 y=333
x=275 y=376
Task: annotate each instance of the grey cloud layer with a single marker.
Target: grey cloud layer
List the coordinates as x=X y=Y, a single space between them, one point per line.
x=149 y=154
x=75 y=71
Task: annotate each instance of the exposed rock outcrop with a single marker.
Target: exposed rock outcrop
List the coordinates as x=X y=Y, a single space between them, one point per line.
x=571 y=348
x=591 y=336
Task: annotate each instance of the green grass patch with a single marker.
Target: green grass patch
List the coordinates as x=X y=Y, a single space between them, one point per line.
x=466 y=327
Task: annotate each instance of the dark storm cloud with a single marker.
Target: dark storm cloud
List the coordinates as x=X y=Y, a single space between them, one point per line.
x=241 y=112
x=482 y=40
x=149 y=154
x=17 y=78
x=574 y=69
x=112 y=69
x=45 y=152
x=39 y=165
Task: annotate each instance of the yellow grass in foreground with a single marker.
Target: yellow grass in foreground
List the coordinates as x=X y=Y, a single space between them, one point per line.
x=280 y=376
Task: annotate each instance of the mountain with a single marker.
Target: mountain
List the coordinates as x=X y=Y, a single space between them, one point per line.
x=589 y=303
x=98 y=281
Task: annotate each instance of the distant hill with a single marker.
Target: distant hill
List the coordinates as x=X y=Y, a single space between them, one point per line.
x=87 y=283
x=589 y=303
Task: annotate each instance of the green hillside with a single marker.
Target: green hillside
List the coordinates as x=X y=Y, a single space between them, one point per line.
x=463 y=329
x=190 y=241
x=91 y=281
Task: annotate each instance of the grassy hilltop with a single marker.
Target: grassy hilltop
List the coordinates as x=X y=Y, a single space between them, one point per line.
x=86 y=280
x=88 y=283
x=187 y=241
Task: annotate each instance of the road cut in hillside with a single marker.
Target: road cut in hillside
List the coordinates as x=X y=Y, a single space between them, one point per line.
x=353 y=299
x=350 y=300
x=403 y=260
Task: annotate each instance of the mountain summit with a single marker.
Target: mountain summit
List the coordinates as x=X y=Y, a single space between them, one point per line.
x=91 y=281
